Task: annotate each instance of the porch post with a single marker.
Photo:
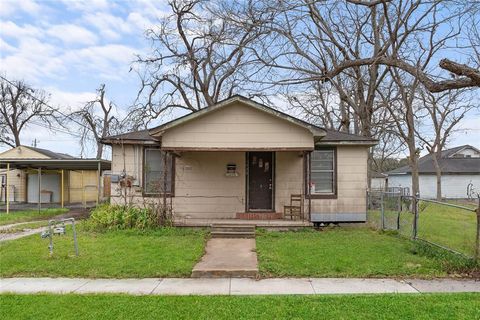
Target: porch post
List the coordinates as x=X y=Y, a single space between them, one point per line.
x=7 y=191
x=39 y=204
x=62 y=186
x=99 y=182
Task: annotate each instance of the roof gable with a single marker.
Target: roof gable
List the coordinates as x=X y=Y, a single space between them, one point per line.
x=316 y=131
x=25 y=152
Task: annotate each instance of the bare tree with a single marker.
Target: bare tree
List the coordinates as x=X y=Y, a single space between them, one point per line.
x=20 y=106
x=197 y=60
x=98 y=119
x=442 y=114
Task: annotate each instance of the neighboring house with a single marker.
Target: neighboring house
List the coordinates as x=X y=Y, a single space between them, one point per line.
x=80 y=176
x=241 y=159
x=378 y=181
x=460 y=167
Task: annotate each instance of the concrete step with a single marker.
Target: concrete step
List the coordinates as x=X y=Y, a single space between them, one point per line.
x=218 y=273
x=233 y=229
x=232 y=234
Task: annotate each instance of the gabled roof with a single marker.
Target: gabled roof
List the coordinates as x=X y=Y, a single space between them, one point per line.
x=316 y=131
x=51 y=154
x=448 y=163
x=322 y=135
x=44 y=152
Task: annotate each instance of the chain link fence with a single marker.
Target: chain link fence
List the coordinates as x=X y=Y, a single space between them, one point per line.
x=451 y=225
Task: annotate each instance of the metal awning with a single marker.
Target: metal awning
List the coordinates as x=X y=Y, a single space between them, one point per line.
x=57 y=164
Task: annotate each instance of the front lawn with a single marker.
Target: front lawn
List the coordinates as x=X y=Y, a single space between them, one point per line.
x=342 y=252
x=29 y=215
x=450 y=227
x=112 y=254
x=391 y=306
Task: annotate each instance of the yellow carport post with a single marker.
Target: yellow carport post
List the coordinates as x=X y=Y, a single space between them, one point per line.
x=7 y=193
x=83 y=193
x=98 y=181
x=62 y=186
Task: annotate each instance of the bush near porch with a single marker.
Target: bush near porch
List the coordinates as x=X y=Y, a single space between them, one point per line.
x=351 y=252
x=164 y=252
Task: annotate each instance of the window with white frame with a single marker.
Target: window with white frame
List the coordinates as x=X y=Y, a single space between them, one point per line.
x=154 y=174
x=322 y=172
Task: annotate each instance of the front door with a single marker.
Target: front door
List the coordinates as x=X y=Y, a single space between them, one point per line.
x=260 y=181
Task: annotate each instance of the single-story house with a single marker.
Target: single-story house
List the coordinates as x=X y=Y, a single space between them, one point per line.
x=35 y=175
x=378 y=181
x=460 y=167
x=241 y=159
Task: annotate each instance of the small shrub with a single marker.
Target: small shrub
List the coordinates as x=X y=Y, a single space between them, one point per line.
x=117 y=217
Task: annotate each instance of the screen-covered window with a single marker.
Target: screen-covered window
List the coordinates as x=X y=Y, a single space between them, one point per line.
x=322 y=171
x=154 y=173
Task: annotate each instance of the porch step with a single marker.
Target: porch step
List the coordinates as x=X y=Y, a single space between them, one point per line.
x=232 y=231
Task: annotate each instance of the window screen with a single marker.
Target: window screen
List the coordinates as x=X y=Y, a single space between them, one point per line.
x=322 y=171
x=154 y=172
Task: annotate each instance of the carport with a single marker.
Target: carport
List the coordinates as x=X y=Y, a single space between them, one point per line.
x=64 y=168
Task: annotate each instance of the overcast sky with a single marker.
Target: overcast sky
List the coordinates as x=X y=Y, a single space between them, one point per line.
x=70 y=47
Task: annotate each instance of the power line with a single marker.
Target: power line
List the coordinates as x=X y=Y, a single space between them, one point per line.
x=47 y=105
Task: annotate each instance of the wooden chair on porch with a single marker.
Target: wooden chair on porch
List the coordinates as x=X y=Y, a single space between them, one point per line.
x=295 y=210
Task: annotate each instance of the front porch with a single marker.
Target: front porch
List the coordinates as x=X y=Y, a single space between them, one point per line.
x=276 y=224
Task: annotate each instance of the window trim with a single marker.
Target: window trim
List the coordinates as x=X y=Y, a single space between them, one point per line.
x=172 y=182
x=308 y=164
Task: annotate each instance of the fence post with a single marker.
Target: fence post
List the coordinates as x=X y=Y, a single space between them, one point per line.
x=477 y=242
x=382 y=210
x=399 y=210
x=415 y=218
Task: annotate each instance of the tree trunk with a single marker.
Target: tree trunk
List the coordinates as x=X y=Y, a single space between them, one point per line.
x=16 y=135
x=438 y=173
x=413 y=162
x=99 y=150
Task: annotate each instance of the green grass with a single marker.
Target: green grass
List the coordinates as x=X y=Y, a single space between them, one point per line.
x=448 y=226
x=113 y=254
x=391 y=306
x=342 y=252
x=29 y=215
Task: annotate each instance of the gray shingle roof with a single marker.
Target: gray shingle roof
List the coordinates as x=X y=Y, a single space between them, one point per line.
x=449 y=165
x=331 y=136
x=51 y=154
x=140 y=135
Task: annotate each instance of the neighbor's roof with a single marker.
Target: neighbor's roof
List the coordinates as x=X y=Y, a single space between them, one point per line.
x=51 y=154
x=326 y=136
x=449 y=164
x=55 y=160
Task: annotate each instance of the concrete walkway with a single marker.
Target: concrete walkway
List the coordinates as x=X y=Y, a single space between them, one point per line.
x=78 y=214
x=234 y=286
x=227 y=258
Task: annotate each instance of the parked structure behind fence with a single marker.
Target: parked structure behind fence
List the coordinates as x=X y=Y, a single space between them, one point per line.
x=452 y=226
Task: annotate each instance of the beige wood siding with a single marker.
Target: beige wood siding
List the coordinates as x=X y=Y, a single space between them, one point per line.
x=77 y=193
x=22 y=153
x=238 y=126
x=351 y=184
x=202 y=190
x=288 y=177
x=18 y=179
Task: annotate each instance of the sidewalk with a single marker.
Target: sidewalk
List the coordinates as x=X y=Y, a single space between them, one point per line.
x=234 y=286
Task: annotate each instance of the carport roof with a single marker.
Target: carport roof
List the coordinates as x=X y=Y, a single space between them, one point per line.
x=66 y=164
